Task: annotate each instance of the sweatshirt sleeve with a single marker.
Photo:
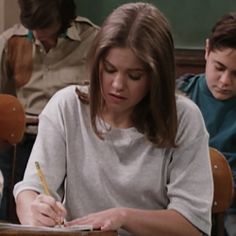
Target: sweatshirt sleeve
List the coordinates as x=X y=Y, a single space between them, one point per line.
x=49 y=150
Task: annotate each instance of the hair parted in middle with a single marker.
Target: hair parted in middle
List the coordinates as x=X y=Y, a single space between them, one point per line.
x=146 y=31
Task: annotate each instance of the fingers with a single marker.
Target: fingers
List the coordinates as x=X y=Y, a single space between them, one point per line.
x=61 y=209
x=110 y=219
x=61 y=213
x=81 y=221
x=47 y=211
x=108 y=225
x=94 y=220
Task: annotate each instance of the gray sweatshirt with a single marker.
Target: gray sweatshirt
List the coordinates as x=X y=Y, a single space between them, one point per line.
x=124 y=169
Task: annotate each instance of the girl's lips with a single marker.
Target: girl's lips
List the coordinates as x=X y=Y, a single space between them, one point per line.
x=116 y=96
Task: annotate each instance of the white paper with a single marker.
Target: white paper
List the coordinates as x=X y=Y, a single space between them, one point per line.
x=74 y=228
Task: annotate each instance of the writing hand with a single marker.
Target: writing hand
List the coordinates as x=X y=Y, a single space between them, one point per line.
x=46 y=211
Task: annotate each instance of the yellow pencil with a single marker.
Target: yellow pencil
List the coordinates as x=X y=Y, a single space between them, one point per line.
x=42 y=179
x=44 y=184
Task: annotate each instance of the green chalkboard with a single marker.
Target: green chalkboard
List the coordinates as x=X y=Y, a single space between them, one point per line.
x=191 y=20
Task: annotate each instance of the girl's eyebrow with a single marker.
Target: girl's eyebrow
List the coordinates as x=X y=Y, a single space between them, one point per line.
x=106 y=61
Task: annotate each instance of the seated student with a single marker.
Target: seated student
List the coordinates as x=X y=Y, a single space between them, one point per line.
x=43 y=54
x=215 y=94
x=122 y=154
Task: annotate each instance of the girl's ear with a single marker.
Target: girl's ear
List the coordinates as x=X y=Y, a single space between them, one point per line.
x=207 y=49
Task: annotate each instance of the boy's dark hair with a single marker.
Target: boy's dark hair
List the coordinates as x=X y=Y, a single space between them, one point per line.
x=223 y=34
x=39 y=14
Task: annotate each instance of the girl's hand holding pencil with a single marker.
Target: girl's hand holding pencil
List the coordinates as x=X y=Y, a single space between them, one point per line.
x=47 y=210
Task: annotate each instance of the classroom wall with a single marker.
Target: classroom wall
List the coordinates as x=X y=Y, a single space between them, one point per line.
x=191 y=20
x=1 y=16
x=9 y=14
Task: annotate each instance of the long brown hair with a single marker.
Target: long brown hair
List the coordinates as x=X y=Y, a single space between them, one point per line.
x=145 y=30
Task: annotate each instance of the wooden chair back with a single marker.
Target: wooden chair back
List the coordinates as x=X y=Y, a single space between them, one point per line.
x=223 y=190
x=12 y=127
x=12 y=119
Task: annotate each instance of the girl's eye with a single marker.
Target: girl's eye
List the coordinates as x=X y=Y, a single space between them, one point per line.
x=108 y=68
x=135 y=76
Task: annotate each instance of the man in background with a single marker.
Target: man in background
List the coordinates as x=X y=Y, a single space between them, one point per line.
x=43 y=54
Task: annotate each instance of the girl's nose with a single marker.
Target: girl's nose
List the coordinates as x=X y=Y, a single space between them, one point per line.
x=118 y=82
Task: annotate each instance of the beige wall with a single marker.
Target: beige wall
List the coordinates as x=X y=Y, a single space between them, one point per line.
x=1 y=15
x=9 y=13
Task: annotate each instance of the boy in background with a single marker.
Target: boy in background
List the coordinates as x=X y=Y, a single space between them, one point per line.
x=215 y=94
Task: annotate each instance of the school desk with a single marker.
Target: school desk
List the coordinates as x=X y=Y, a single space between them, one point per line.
x=12 y=231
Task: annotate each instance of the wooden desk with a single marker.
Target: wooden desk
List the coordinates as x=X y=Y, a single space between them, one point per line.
x=13 y=232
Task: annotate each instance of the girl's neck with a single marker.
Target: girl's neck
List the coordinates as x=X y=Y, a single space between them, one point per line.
x=116 y=120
